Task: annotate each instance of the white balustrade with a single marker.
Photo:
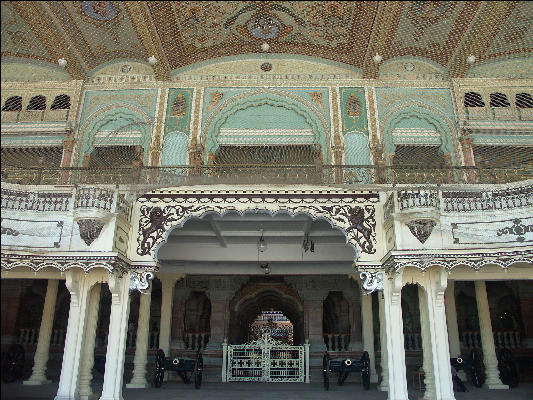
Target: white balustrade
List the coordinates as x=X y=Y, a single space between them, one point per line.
x=337 y=341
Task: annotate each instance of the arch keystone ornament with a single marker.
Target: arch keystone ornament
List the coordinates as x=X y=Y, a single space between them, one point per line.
x=162 y=210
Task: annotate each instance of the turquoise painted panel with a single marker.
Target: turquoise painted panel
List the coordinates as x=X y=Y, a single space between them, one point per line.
x=266 y=117
x=179 y=110
x=174 y=150
x=143 y=99
x=414 y=122
x=216 y=98
x=353 y=110
x=356 y=149
x=390 y=99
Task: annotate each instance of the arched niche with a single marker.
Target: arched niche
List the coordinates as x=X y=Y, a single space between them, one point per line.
x=117 y=124
x=287 y=103
x=432 y=127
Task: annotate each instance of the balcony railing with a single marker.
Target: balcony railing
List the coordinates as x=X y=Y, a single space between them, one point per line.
x=181 y=175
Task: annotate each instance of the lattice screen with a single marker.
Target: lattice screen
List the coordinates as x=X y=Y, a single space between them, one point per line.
x=114 y=156
x=419 y=156
x=503 y=156
x=39 y=157
x=266 y=155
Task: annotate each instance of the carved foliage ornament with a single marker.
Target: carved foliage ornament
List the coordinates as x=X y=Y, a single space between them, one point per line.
x=358 y=222
x=90 y=229
x=421 y=228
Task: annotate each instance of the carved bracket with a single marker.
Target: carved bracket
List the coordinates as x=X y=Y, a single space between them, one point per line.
x=90 y=229
x=421 y=228
x=140 y=280
x=372 y=281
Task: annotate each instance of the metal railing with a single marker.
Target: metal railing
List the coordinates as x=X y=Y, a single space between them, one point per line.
x=181 y=175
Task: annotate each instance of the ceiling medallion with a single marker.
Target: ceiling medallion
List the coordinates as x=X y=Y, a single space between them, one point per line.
x=100 y=10
x=266 y=67
x=264 y=27
x=125 y=68
x=421 y=228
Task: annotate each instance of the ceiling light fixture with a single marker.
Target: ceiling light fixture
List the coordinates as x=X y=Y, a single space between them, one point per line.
x=152 y=60
x=265 y=47
x=471 y=59
x=261 y=244
x=265 y=268
x=378 y=58
x=62 y=62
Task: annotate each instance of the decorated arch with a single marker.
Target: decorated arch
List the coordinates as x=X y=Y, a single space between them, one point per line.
x=285 y=100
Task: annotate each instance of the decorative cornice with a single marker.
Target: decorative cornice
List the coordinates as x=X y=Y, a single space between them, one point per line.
x=86 y=263
x=474 y=261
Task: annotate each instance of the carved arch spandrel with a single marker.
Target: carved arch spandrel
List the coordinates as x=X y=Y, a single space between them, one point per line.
x=354 y=215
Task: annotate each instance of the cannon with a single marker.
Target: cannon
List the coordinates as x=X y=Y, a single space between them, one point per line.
x=507 y=367
x=183 y=366
x=13 y=364
x=343 y=367
x=473 y=365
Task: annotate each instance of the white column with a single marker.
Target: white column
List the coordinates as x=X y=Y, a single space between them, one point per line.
x=451 y=320
x=392 y=294
x=437 y=279
x=116 y=341
x=384 y=384
x=38 y=376
x=78 y=287
x=368 y=333
x=87 y=361
x=167 y=298
x=141 y=345
x=225 y=360
x=426 y=346
x=487 y=340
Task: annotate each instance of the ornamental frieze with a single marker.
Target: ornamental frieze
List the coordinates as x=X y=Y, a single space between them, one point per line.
x=349 y=212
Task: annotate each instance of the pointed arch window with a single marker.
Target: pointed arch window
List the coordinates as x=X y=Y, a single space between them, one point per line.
x=473 y=99
x=499 y=100
x=37 y=103
x=61 y=102
x=524 y=100
x=13 y=103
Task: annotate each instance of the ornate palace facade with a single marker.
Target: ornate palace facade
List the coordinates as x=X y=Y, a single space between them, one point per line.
x=198 y=198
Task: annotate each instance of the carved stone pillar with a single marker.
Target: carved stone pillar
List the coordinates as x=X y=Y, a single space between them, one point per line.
x=38 y=376
x=392 y=295
x=178 y=318
x=440 y=352
x=467 y=149
x=426 y=346
x=368 y=333
x=354 y=303
x=167 y=294
x=66 y=158
x=116 y=341
x=384 y=384
x=487 y=340
x=219 y=318
x=87 y=361
x=138 y=380
x=70 y=368
x=313 y=314
x=451 y=320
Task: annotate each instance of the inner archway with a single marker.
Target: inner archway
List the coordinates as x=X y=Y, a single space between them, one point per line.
x=254 y=308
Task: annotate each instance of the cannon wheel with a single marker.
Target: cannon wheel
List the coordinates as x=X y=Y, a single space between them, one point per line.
x=325 y=370
x=365 y=370
x=13 y=366
x=198 y=370
x=477 y=368
x=159 y=371
x=507 y=367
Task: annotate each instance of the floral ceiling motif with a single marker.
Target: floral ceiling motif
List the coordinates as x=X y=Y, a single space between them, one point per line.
x=90 y=33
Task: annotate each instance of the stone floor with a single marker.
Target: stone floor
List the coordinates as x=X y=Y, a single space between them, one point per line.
x=260 y=391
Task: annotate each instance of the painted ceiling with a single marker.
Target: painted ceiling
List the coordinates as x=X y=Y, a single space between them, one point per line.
x=90 y=33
